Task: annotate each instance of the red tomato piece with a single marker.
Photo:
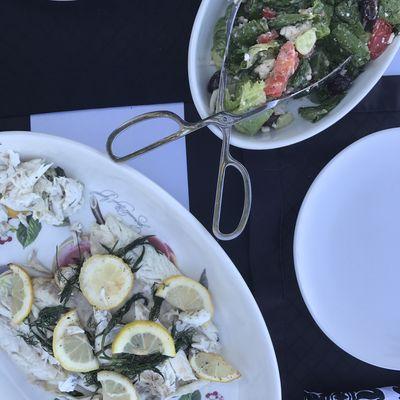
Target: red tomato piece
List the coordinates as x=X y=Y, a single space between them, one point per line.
x=380 y=38
x=285 y=66
x=268 y=37
x=269 y=13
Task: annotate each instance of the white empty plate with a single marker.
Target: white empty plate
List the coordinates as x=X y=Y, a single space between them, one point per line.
x=347 y=249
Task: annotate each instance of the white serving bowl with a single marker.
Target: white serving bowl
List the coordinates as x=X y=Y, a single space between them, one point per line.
x=201 y=69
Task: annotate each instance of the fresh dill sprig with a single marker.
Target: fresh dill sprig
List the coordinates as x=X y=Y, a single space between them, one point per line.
x=119 y=315
x=129 y=247
x=90 y=379
x=157 y=302
x=135 y=266
x=123 y=251
x=72 y=282
x=183 y=339
x=131 y=365
x=41 y=330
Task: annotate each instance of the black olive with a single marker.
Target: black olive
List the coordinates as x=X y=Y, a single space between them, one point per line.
x=272 y=120
x=339 y=84
x=369 y=10
x=213 y=84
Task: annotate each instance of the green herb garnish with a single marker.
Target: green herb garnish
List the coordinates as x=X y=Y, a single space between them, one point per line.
x=157 y=302
x=72 y=282
x=27 y=234
x=132 y=365
x=118 y=316
x=123 y=251
x=41 y=330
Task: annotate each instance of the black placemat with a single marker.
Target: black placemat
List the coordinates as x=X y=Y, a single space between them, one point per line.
x=67 y=55
x=307 y=358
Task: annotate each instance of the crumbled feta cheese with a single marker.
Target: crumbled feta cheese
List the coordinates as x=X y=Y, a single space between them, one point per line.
x=306 y=11
x=265 y=129
x=264 y=68
x=291 y=32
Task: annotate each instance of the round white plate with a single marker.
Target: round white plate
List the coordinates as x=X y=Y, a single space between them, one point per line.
x=347 y=249
x=145 y=206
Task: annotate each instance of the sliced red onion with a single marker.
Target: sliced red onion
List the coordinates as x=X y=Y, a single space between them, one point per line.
x=69 y=251
x=163 y=248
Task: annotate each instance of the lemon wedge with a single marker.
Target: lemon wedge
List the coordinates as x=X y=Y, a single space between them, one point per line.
x=143 y=338
x=213 y=367
x=106 y=281
x=13 y=213
x=185 y=294
x=71 y=347
x=116 y=386
x=21 y=294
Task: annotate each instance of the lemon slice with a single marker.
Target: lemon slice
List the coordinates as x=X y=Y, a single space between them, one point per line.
x=6 y=286
x=106 y=281
x=13 y=213
x=213 y=367
x=21 y=294
x=143 y=338
x=116 y=386
x=185 y=294
x=71 y=347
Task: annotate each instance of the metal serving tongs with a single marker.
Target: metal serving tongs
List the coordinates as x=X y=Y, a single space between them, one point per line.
x=224 y=121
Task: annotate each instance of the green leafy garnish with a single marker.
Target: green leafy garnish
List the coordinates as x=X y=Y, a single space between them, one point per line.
x=117 y=317
x=90 y=379
x=123 y=251
x=131 y=365
x=27 y=234
x=191 y=396
x=72 y=282
x=315 y=113
x=41 y=330
x=390 y=10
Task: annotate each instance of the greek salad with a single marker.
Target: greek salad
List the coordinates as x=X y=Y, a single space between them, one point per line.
x=281 y=46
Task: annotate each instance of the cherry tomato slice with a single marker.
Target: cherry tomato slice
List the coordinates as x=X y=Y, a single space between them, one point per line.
x=269 y=13
x=380 y=38
x=268 y=37
x=285 y=66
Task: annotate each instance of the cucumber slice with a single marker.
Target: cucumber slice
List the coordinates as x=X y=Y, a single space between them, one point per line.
x=283 y=120
x=306 y=41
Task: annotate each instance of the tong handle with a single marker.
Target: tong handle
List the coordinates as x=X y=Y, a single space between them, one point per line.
x=184 y=129
x=228 y=161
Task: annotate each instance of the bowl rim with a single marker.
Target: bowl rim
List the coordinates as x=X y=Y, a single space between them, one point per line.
x=242 y=141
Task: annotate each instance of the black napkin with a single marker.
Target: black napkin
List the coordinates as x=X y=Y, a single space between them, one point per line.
x=66 y=55
x=307 y=359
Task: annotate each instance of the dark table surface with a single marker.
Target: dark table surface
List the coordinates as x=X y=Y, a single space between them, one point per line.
x=307 y=359
x=101 y=53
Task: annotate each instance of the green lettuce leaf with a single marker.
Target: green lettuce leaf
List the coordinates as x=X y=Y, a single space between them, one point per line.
x=390 y=10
